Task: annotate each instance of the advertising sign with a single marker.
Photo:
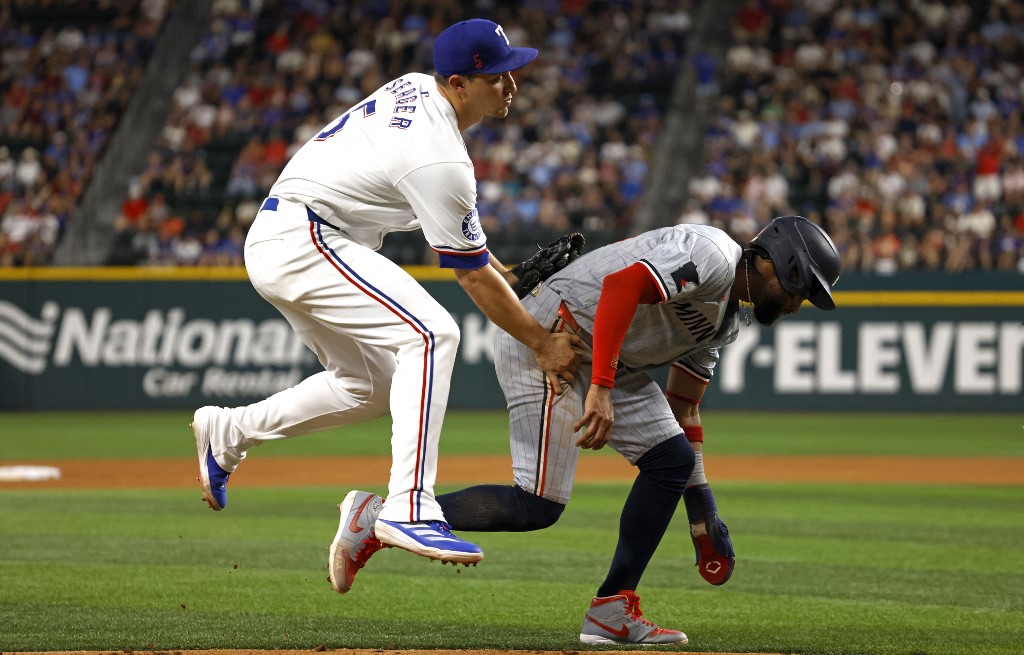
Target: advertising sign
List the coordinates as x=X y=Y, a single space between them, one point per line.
x=181 y=343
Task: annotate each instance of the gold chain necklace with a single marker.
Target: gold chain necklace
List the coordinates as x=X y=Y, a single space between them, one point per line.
x=750 y=301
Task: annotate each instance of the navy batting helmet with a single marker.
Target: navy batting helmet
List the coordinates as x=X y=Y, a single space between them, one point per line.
x=805 y=259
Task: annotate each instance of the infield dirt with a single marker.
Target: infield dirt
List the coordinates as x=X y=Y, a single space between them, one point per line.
x=345 y=472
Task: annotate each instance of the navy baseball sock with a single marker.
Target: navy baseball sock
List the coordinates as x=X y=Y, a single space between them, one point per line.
x=652 y=501
x=498 y=508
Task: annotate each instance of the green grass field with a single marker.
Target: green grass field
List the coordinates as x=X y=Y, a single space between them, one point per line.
x=880 y=569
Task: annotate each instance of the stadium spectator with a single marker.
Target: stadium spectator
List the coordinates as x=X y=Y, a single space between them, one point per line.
x=67 y=72
x=576 y=158
x=898 y=128
x=888 y=124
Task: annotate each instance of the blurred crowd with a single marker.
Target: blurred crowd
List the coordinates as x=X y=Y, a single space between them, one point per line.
x=573 y=154
x=67 y=72
x=896 y=125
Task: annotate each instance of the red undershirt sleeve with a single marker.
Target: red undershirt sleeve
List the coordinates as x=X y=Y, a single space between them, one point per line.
x=621 y=293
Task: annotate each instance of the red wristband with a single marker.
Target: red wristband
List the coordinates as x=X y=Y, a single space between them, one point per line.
x=694 y=433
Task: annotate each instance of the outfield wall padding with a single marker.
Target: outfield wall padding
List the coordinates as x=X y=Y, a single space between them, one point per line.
x=106 y=339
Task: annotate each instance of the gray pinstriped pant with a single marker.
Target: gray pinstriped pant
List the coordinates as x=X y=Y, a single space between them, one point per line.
x=543 y=445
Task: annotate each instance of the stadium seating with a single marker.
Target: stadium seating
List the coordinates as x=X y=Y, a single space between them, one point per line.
x=898 y=129
x=67 y=70
x=574 y=154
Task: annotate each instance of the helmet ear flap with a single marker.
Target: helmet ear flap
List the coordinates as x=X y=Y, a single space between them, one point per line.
x=797 y=277
x=789 y=273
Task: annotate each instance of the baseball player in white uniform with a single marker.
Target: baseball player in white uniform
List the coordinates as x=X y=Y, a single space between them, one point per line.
x=668 y=297
x=394 y=161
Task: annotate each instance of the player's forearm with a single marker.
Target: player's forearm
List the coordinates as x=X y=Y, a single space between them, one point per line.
x=684 y=392
x=684 y=408
x=495 y=298
x=507 y=275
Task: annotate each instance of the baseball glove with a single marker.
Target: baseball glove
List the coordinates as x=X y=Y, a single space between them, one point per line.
x=547 y=261
x=716 y=558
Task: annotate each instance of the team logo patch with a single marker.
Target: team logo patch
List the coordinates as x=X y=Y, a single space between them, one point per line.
x=688 y=273
x=471 y=226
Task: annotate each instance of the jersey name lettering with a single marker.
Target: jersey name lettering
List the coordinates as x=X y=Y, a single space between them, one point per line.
x=698 y=324
x=404 y=93
x=398 y=84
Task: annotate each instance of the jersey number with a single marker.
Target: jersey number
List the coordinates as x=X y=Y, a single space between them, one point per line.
x=369 y=109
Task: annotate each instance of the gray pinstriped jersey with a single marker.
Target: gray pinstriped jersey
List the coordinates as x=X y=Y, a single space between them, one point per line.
x=694 y=265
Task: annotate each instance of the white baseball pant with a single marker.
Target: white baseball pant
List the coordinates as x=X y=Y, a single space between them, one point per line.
x=384 y=342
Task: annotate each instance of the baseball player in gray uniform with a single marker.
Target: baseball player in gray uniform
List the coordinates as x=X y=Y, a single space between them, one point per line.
x=394 y=161
x=668 y=297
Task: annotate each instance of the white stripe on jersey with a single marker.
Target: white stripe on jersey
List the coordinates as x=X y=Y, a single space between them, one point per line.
x=665 y=292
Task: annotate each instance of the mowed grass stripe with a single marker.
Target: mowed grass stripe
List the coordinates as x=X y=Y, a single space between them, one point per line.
x=95 y=628
x=65 y=435
x=472 y=612
x=818 y=572
x=991 y=516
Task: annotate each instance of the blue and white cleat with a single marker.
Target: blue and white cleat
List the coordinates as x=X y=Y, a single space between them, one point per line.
x=212 y=478
x=433 y=539
x=355 y=541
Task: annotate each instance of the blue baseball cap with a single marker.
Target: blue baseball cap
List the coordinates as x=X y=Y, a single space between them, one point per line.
x=477 y=46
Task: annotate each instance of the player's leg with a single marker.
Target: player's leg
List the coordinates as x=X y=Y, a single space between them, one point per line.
x=349 y=303
x=288 y=269
x=355 y=387
x=399 y=316
x=498 y=508
x=544 y=454
x=353 y=390
x=647 y=512
x=647 y=434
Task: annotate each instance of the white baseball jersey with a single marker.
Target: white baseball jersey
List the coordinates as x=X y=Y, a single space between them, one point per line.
x=694 y=267
x=395 y=161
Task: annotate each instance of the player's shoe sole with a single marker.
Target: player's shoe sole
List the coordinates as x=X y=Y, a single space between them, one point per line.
x=431 y=539
x=212 y=478
x=355 y=541
x=593 y=640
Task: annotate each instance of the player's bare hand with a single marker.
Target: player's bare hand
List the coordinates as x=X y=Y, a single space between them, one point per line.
x=557 y=356
x=598 y=417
